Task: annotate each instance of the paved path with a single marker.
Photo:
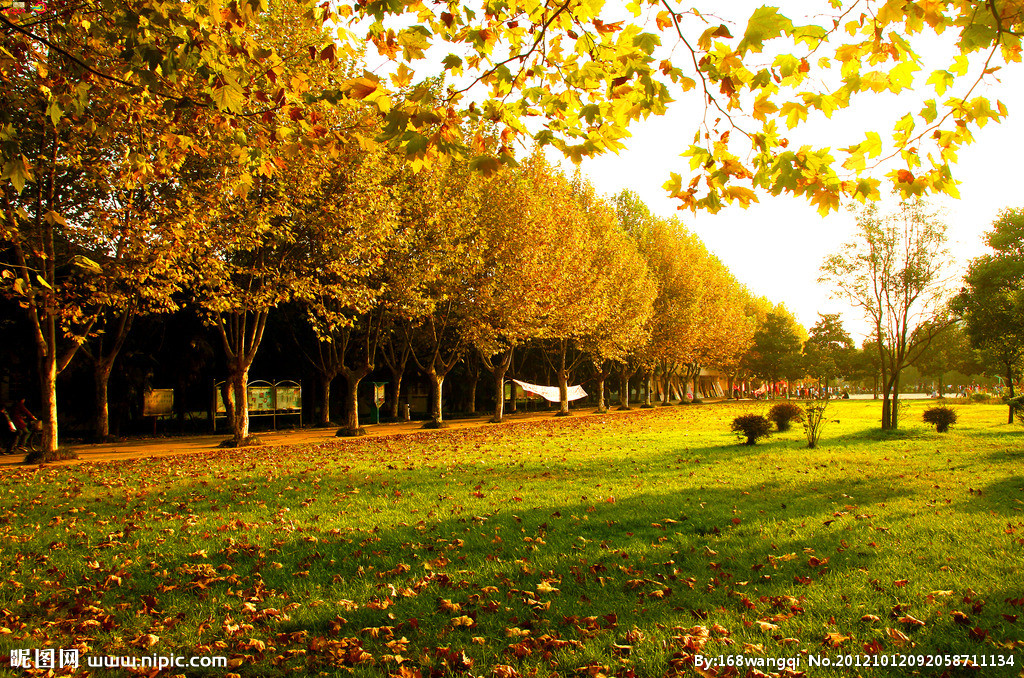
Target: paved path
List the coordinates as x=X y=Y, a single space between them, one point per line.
x=160 y=447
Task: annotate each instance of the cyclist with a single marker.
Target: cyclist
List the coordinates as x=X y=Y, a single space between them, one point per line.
x=20 y=417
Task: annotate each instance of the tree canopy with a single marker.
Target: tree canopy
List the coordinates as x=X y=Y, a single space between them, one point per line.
x=571 y=74
x=992 y=302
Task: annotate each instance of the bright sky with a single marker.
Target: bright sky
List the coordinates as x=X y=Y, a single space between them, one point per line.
x=777 y=246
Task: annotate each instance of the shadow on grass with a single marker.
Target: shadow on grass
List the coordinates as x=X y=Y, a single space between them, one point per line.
x=667 y=546
x=1003 y=497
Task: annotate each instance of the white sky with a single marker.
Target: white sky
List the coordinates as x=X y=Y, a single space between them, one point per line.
x=777 y=246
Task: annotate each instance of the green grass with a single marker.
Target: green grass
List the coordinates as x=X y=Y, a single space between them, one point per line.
x=582 y=546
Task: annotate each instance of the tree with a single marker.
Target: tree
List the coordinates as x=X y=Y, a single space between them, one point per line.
x=590 y=72
x=949 y=351
x=827 y=351
x=892 y=271
x=345 y=224
x=578 y=284
x=86 y=235
x=514 y=283
x=775 y=352
x=438 y=210
x=622 y=328
x=992 y=301
x=596 y=72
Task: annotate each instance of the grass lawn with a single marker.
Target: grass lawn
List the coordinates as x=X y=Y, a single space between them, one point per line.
x=620 y=545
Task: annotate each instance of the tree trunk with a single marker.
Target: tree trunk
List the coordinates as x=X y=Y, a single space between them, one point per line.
x=227 y=397
x=600 y=393
x=886 y=404
x=729 y=381
x=1009 y=383
x=666 y=397
x=436 y=384
x=396 y=391
x=326 y=378
x=471 y=397
x=352 y=381
x=101 y=374
x=563 y=382
x=48 y=384
x=648 y=383
x=563 y=393
x=624 y=374
x=499 y=395
x=239 y=379
x=894 y=409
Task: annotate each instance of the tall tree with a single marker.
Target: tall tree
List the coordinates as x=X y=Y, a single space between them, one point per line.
x=346 y=219
x=591 y=72
x=575 y=303
x=949 y=351
x=827 y=351
x=622 y=328
x=84 y=232
x=438 y=207
x=511 y=288
x=775 y=351
x=992 y=299
x=893 y=272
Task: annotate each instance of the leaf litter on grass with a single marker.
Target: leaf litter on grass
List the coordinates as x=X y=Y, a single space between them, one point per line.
x=622 y=545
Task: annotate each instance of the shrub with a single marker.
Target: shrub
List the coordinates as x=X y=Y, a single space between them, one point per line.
x=784 y=414
x=815 y=422
x=752 y=426
x=980 y=398
x=943 y=417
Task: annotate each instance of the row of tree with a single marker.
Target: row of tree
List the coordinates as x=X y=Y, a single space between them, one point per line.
x=137 y=207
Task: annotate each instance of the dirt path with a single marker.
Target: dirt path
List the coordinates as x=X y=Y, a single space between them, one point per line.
x=161 y=447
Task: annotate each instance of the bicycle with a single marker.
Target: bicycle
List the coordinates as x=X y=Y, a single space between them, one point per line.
x=34 y=441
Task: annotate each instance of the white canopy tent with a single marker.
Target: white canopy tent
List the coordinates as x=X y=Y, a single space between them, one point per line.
x=551 y=392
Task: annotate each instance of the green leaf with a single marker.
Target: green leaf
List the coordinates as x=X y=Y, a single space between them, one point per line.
x=86 y=264
x=54 y=111
x=764 y=24
x=928 y=112
x=18 y=171
x=416 y=146
x=485 y=165
x=647 y=42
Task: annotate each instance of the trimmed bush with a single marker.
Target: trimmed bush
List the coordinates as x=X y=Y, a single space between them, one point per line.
x=784 y=414
x=943 y=417
x=753 y=427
